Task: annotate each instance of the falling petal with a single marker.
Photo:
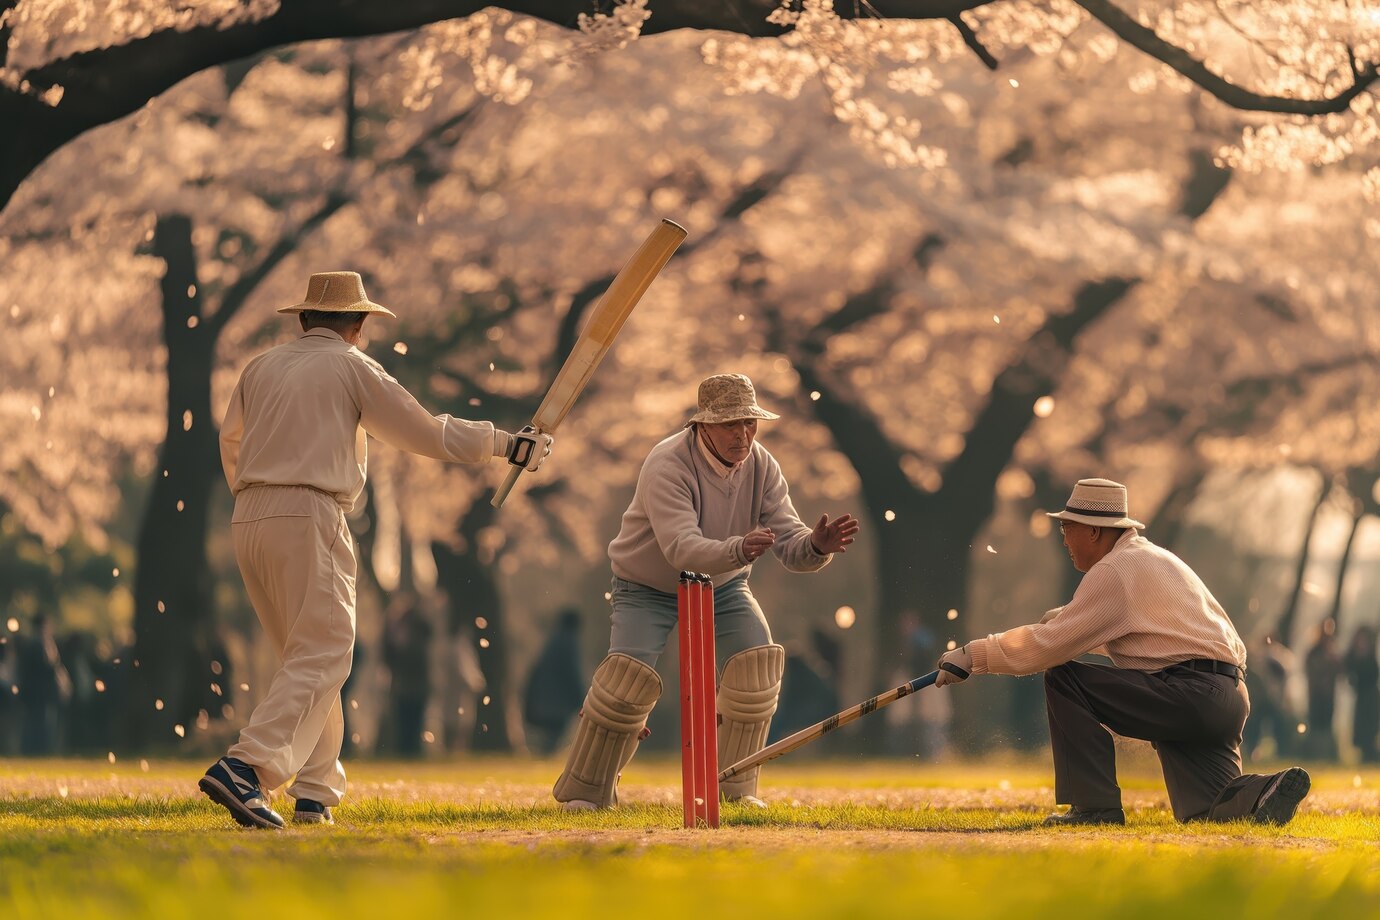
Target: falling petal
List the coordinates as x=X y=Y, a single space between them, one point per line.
x=952 y=645
x=481 y=622
x=400 y=347
x=483 y=643
x=486 y=699
x=244 y=687
x=953 y=614
x=179 y=731
x=110 y=757
x=144 y=765
x=13 y=624
x=354 y=704
x=990 y=550
x=428 y=737
x=845 y=617
x=890 y=515
x=158 y=704
x=100 y=685
x=815 y=395
x=62 y=791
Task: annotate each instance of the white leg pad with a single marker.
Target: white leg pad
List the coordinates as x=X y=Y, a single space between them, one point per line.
x=620 y=698
x=748 y=693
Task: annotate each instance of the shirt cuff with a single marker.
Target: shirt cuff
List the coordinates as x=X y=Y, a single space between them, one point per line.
x=978 y=650
x=735 y=549
x=503 y=443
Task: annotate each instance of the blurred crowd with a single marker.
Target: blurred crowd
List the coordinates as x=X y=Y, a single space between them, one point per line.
x=61 y=694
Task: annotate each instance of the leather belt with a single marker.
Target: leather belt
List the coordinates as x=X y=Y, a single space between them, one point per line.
x=1212 y=666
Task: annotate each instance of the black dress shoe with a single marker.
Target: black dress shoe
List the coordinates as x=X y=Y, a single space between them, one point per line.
x=1281 y=797
x=1079 y=816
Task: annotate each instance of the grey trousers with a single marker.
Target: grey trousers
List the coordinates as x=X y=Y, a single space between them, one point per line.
x=644 y=617
x=1193 y=719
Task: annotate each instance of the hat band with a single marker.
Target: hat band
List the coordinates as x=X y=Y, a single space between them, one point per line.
x=1091 y=513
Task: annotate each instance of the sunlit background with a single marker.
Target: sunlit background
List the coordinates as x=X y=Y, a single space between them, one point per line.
x=962 y=289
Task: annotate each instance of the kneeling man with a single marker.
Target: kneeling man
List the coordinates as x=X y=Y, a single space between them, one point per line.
x=1175 y=679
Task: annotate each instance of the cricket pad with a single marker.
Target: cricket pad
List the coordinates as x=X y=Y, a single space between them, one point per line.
x=748 y=693
x=620 y=697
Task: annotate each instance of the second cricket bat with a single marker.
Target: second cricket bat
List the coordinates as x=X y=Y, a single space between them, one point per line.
x=597 y=337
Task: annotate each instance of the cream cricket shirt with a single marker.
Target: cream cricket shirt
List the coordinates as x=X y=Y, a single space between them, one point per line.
x=688 y=516
x=1140 y=604
x=299 y=415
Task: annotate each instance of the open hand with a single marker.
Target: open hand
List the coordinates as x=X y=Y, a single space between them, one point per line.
x=833 y=536
x=757 y=542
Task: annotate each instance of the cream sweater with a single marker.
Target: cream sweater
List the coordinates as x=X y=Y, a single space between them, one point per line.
x=686 y=517
x=1140 y=604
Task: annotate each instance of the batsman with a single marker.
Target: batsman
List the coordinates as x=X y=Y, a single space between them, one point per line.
x=708 y=499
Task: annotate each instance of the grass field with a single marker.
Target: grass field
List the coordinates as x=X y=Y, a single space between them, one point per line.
x=482 y=838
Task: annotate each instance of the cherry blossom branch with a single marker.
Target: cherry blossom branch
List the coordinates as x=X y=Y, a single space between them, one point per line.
x=1145 y=39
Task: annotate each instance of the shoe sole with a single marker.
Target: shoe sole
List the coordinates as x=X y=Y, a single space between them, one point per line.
x=1277 y=805
x=226 y=799
x=310 y=818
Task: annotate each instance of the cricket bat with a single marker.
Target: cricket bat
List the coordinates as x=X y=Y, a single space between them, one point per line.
x=597 y=337
x=820 y=729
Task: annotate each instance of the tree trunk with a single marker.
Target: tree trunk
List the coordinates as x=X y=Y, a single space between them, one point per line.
x=474 y=596
x=1284 y=630
x=174 y=618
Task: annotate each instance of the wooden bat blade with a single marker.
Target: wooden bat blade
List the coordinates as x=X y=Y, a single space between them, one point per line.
x=820 y=729
x=598 y=334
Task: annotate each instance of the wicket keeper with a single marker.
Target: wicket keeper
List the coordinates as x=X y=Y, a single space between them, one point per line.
x=709 y=499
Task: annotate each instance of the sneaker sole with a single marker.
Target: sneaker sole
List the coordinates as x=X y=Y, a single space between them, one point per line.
x=1277 y=805
x=223 y=797
x=309 y=818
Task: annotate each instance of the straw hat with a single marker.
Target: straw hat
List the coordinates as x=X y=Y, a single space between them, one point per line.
x=337 y=292
x=1099 y=502
x=727 y=398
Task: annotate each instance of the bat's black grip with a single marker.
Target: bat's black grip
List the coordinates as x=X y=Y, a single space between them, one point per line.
x=955 y=670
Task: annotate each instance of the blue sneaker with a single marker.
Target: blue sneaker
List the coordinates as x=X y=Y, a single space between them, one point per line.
x=309 y=812
x=233 y=783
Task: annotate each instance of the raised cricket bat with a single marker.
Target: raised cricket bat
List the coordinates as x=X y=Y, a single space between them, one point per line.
x=820 y=729
x=597 y=337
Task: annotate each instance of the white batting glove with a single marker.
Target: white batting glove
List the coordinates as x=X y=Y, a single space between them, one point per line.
x=956 y=661
x=528 y=448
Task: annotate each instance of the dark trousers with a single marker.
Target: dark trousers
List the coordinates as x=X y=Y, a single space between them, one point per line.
x=1193 y=719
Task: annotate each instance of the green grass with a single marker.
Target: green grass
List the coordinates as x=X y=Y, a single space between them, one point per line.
x=481 y=838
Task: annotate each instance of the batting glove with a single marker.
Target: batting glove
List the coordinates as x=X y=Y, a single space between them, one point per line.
x=954 y=667
x=529 y=448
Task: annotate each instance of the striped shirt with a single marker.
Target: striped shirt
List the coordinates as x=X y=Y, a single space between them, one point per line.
x=1140 y=605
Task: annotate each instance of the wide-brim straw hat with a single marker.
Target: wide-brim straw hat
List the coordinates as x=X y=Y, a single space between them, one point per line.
x=337 y=292
x=1098 y=502
x=728 y=398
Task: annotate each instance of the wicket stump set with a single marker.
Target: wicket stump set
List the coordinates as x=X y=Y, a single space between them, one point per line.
x=699 y=723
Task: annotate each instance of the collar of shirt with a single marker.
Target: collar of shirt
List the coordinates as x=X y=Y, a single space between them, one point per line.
x=715 y=464
x=322 y=332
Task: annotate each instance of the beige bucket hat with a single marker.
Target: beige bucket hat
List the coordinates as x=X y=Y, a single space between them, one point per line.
x=337 y=292
x=1099 y=502
x=727 y=398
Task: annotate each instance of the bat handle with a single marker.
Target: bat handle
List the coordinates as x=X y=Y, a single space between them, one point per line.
x=506 y=486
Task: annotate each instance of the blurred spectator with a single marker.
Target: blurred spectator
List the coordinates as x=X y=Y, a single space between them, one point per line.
x=555 y=686
x=1363 y=671
x=9 y=703
x=1322 y=667
x=407 y=655
x=1269 y=666
x=807 y=694
x=44 y=688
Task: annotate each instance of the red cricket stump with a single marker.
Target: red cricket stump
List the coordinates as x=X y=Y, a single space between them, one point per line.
x=699 y=723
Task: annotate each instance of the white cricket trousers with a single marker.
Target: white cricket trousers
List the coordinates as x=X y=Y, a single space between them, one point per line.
x=297 y=557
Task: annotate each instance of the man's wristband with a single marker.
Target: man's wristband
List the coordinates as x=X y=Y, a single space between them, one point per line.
x=503 y=443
